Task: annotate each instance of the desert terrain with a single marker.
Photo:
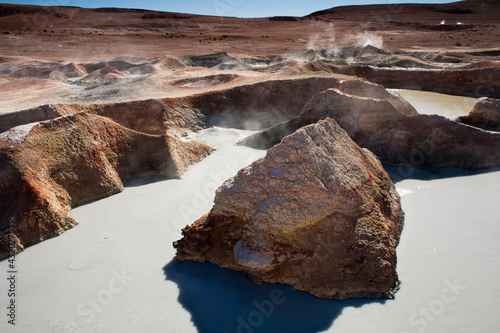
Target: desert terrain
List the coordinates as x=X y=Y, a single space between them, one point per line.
x=58 y=54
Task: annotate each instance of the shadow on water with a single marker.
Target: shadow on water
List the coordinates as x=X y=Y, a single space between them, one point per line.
x=135 y=182
x=398 y=174
x=222 y=301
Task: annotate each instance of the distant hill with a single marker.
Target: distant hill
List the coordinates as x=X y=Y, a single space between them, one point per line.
x=470 y=9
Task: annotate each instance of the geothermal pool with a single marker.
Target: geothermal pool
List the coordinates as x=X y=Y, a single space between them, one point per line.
x=434 y=103
x=115 y=271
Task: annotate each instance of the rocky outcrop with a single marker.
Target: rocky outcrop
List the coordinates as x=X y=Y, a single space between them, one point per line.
x=351 y=98
x=49 y=167
x=486 y=113
x=317 y=212
x=367 y=89
x=422 y=141
x=278 y=100
x=262 y=104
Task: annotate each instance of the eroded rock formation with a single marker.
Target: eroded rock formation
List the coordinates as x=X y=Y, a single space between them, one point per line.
x=476 y=80
x=49 y=167
x=422 y=141
x=317 y=212
x=278 y=100
x=486 y=113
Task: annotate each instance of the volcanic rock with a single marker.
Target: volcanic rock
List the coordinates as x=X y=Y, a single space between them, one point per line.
x=34 y=115
x=367 y=89
x=46 y=168
x=472 y=81
x=486 y=113
x=206 y=60
x=317 y=212
x=279 y=100
x=428 y=142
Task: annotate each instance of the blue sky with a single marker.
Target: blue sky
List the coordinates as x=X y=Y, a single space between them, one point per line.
x=239 y=8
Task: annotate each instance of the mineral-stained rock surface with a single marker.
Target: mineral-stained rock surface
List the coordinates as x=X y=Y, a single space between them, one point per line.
x=48 y=167
x=317 y=212
x=421 y=141
x=486 y=113
x=278 y=100
x=473 y=80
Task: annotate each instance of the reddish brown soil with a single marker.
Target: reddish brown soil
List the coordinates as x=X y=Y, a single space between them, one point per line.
x=55 y=33
x=35 y=40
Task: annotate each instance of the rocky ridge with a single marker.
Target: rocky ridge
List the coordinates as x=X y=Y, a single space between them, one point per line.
x=51 y=166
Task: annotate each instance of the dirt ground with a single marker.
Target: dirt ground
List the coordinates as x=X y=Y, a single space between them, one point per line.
x=36 y=41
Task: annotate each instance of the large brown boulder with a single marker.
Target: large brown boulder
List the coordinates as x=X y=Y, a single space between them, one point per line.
x=317 y=212
x=422 y=141
x=486 y=113
x=362 y=88
x=49 y=167
x=349 y=99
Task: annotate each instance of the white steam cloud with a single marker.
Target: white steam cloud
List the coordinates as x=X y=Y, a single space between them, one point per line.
x=367 y=38
x=324 y=39
x=329 y=39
